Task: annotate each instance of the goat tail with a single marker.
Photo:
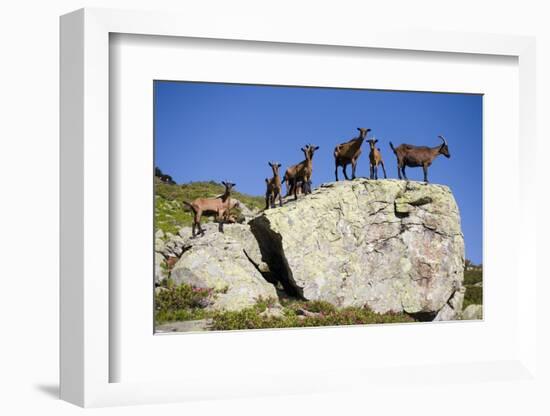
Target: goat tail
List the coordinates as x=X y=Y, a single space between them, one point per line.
x=189 y=205
x=284 y=179
x=392 y=148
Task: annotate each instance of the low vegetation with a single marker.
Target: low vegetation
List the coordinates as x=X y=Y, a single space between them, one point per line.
x=181 y=303
x=473 y=279
x=323 y=314
x=473 y=296
x=170 y=212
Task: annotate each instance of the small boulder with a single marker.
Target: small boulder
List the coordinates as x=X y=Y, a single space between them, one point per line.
x=160 y=268
x=472 y=312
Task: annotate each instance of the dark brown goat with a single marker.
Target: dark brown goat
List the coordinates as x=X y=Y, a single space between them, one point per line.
x=349 y=152
x=416 y=156
x=375 y=158
x=301 y=172
x=274 y=187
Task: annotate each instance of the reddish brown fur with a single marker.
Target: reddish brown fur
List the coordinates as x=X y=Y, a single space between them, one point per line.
x=375 y=159
x=301 y=172
x=416 y=156
x=274 y=187
x=349 y=152
x=221 y=206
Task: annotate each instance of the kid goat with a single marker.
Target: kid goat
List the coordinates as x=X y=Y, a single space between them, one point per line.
x=375 y=158
x=301 y=172
x=274 y=187
x=349 y=152
x=220 y=205
x=415 y=156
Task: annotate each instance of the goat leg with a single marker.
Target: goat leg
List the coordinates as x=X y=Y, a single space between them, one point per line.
x=353 y=166
x=201 y=230
x=403 y=171
x=289 y=190
x=336 y=172
x=345 y=172
x=384 y=169
x=221 y=218
x=425 y=169
x=306 y=189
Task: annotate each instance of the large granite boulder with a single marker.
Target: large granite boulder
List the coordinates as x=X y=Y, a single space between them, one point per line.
x=389 y=245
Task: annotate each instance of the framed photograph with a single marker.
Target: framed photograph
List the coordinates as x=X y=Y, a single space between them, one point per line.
x=292 y=245
x=321 y=199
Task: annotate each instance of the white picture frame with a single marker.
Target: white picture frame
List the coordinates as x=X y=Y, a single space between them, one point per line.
x=86 y=356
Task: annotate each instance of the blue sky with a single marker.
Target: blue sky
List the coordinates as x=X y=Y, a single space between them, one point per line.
x=229 y=132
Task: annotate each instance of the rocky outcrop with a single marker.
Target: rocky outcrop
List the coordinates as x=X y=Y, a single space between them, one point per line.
x=388 y=245
x=229 y=263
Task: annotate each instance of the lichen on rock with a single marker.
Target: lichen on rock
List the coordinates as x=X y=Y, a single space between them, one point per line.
x=224 y=262
x=389 y=245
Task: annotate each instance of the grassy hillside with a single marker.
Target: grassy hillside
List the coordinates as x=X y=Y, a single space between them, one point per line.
x=171 y=214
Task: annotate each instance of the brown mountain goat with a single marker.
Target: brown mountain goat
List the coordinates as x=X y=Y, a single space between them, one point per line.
x=220 y=206
x=300 y=188
x=416 y=156
x=301 y=172
x=349 y=152
x=375 y=158
x=274 y=187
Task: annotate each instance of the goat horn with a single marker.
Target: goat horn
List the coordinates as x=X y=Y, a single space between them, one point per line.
x=443 y=138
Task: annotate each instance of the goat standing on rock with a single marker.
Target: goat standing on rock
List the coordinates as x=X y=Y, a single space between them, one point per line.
x=274 y=187
x=375 y=158
x=416 y=156
x=349 y=152
x=220 y=205
x=301 y=172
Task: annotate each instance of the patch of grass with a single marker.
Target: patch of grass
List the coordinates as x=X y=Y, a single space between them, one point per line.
x=250 y=318
x=473 y=296
x=472 y=277
x=184 y=302
x=170 y=212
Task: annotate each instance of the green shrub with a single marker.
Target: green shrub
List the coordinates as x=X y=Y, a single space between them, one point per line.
x=472 y=277
x=473 y=296
x=181 y=303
